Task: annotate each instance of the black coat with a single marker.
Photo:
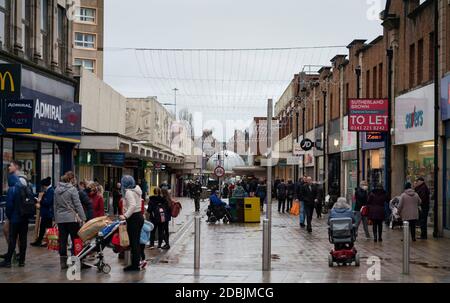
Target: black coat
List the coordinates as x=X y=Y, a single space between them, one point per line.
x=290 y=190
x=87 y=204
x=298 y=190
x=309 y=194
x=424 y=194
x=375 y=203
x=361 y=197
x=281 y=191
x=155 y=203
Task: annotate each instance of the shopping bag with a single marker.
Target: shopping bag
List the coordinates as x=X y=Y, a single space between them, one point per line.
x=37 y=225
x=123 y=234
x=295 y=209
x=77 y=246
x=52 y=238
x=364 y=211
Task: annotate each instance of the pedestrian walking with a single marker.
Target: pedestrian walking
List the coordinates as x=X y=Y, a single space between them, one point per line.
x=167 y=217
x=69 y=213
x=298 y=193
x=319 y=199
x=98 y=204
x=275 y=187
x=153 y=203
x=408 y=208
x=45 y=204
x=18 y=192
x=361 y=197
x=424 y=194
x=282 y=195
x=196 y=193
x=261 y=193
x=376 y=201
x=309 y=196
x=290 y=192
x=132 y=213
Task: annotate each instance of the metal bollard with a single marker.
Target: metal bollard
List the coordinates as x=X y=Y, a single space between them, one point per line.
x=406 y=248
x=266 y=245
x=197 y=242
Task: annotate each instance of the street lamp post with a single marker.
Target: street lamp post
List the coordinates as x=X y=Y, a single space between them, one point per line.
x=358 y=160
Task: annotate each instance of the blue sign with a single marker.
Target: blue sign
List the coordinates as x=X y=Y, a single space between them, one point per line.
x=445 y=98
x=18 y=116
x=54 y=118
x=116 y=159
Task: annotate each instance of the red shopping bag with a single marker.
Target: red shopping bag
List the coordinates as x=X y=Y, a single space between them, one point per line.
x=52 y=237
x=77 y=246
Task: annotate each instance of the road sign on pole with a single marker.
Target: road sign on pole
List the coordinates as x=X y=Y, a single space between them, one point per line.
x=219 y=171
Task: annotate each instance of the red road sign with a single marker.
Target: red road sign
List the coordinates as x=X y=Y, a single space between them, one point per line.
x=219 y=171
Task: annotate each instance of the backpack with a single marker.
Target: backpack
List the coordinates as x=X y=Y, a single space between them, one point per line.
x=27 y=202
x=175 y=209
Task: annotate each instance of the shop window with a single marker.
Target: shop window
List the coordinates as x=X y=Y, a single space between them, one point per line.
x=26 y=153
x=420 y=162
x=56 y=164
x=47 y=160
x=7 y=158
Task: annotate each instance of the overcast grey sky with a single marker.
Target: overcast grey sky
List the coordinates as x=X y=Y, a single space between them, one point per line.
x=226 y=85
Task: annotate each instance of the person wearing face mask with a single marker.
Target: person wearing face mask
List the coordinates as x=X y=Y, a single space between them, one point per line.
x=361 y=197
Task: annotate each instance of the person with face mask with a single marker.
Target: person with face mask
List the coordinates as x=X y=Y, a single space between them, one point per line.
x=361 y=197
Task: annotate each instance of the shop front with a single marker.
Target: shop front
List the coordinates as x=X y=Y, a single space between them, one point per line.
x=373 y=159
x=349 y=161
x=41 y=128
x=414 y=131
x=334 y=157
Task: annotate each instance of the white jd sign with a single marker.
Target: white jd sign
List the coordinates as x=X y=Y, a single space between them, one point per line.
x=307 y=144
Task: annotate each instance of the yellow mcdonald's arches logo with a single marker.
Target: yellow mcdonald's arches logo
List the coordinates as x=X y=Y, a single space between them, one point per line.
x=3 y=78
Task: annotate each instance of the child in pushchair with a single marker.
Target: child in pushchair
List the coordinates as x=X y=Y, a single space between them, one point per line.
x=217 y=210
x=342 y=234
x=394 y=219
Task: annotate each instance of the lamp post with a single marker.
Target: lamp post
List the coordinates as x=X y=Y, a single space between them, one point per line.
x=358 y=160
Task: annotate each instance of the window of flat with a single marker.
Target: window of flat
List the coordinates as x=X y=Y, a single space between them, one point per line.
x=88 y=64
x=84 y=40
x=374 y=80
x=86 y=14
x=4 y=9
x=62 y=37
x=412 y=64
x=431 y=56
x=420 y=61
x=26 y=27
x=44 y=30
x=380 y=80
x=368 y=84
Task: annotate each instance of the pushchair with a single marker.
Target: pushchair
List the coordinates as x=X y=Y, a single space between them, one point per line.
x=218 y=212
x=97 y=245
x=394 y=218
x=342 y=234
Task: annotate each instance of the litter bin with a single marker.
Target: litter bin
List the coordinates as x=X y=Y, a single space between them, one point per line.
x=252 y=211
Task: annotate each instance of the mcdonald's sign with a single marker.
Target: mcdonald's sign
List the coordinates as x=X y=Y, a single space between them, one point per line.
x=10 y=81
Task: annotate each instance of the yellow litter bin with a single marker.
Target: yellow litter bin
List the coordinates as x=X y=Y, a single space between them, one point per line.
x=252 y=210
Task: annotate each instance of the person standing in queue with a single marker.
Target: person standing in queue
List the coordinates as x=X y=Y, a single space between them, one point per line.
x=69 y=213
x=376 y=201
x=83 y=193
x=424 y=194
x=97 y=201
x=309 y=196
x=132 y=213
x=45 y=204
x=154 y=200
x=197 y=192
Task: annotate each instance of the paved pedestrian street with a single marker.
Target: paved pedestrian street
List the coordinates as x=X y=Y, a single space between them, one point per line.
x=232 y=254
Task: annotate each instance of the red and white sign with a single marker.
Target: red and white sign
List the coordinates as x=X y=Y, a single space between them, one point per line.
x=368 y=115
x=219 y=171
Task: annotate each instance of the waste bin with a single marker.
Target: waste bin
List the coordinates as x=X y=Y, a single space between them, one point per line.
x=252 y=212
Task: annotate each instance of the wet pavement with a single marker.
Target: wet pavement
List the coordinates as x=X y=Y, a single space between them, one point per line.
x=232 y=254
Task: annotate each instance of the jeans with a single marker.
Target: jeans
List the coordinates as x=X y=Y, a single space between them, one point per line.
x=358 y=219
x=302 y=213
x=19 y=230
x=134 y=226
x=66 y=230
x=378 y=229
x=309 y=210
x=423 y=221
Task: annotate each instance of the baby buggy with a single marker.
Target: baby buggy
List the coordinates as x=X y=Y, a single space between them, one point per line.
x=394 y=219
x=342 y=234
x=97 y=245
x=218 y=212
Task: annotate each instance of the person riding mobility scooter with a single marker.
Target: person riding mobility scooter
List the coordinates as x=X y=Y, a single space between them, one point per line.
x=342 y=234
x=217 y=210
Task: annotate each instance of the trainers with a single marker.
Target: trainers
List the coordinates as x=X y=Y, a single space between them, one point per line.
x=166 y=247
x=5 y=264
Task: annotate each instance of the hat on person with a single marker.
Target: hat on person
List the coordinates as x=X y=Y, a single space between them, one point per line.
x=46 y=182
x=408 y=185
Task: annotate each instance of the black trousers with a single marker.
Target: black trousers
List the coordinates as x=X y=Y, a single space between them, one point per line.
x=115 y=207
x=423 y=221
x=377 y=229
x=309 y=211
x=153 y=234
x=163 y=233
x=412 y=228
x=143 y=252
x=289 y=203
x=19 y=230
x=65 y=230
x=197 y=203
x=134 y=227
x=281 y=203
x=318 y=208
x=45 y=223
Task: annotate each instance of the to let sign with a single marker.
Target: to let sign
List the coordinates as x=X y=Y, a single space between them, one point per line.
x=368 y=115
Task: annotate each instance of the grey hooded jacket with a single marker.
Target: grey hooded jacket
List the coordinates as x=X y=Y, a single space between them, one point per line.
x=67 y=203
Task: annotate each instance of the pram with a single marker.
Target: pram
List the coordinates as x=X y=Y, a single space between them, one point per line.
x=218 y=212
x=394 y=218
x=97 y=245
x=342 y=234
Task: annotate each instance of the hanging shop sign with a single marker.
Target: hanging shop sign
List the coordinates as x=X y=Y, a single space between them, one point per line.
x=375 y=137
x=10 y=81
x=307 y=144
x=414 y=121
x=18 y=116
x=368 y=115
x=445 y=98
x=115 y=159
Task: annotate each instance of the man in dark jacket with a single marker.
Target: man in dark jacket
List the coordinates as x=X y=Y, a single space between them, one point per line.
x=18 y=224
x=361 y=197
x=298 y=195
x=196 y=194
x=309 y=196
x=290 y=188
x=424 y=195
x=282 y=194
x=275 y=187
x=45 y=204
